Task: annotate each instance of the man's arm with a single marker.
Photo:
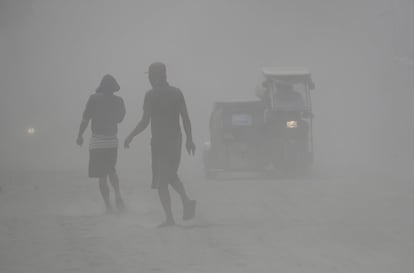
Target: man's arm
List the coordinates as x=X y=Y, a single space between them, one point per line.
x=122 y=111
x=83 y=125
x=142 y=125
x=87 y=115
x=187 y=127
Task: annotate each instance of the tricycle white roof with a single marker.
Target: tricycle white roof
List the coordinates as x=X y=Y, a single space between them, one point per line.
x=285 y=71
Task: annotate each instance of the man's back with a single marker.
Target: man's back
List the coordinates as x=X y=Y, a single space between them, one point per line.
x=106 y=111
x=164 y=104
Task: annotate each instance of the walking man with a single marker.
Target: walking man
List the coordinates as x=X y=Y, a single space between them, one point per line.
x=163 y=106
x=105 y=110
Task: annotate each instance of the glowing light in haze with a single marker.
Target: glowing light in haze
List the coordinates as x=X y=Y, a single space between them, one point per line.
x=31 y=131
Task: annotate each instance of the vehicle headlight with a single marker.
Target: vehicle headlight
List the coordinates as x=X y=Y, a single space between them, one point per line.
x=292 y=124
x=31 y=131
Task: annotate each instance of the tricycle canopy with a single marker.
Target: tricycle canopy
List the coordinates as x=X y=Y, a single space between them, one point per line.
x=285 y=88
x=289 y=75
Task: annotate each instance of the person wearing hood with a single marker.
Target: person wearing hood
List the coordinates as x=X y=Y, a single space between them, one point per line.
x=105 y=110
x=163 y=107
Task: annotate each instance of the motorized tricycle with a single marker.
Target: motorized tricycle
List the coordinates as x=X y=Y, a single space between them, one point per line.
x=272 y=134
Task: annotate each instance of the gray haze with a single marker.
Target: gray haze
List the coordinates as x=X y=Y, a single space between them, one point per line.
x=53 y=53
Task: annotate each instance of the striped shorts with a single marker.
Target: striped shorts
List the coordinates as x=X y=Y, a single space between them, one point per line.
x=103 y=154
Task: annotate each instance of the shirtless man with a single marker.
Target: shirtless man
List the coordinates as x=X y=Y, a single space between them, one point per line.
x=163 y=106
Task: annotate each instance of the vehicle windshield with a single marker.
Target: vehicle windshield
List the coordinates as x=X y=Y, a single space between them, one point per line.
x=290 y=96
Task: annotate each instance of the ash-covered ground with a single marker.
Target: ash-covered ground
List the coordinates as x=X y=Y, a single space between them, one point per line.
x=55 y=222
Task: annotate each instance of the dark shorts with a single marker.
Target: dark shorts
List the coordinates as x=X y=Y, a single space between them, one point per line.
x=102 y=161
x=165 y=162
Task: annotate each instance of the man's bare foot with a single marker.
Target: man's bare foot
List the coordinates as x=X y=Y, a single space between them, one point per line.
x=120 y=204
x=166 y=223
x=109 y=210
x=189 y=210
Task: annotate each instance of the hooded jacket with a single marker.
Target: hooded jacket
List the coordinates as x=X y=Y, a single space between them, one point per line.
x=105 y=109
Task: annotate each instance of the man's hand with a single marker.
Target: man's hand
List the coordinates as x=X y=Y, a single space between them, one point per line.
x=190 y=147
x=127 y=142
x=79 y=140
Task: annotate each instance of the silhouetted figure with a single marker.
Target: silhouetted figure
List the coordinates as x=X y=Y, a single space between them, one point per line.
x=105 y=110
x=163 y=106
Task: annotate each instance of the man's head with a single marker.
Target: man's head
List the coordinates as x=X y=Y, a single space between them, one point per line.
x=157 y=73
x=108 y=85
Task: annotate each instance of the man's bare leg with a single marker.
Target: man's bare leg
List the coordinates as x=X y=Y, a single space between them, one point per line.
x=103 y=186
x=188 y=204
x=178 y=186
x=113 y=178
x=165 y=199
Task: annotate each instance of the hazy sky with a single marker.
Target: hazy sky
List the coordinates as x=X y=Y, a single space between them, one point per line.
x=53 y=54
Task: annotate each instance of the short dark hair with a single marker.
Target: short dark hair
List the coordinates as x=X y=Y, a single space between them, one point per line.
x=157 y=69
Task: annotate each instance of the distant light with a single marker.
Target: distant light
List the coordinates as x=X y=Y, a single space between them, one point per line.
x=292 y=124
x=31 y=131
